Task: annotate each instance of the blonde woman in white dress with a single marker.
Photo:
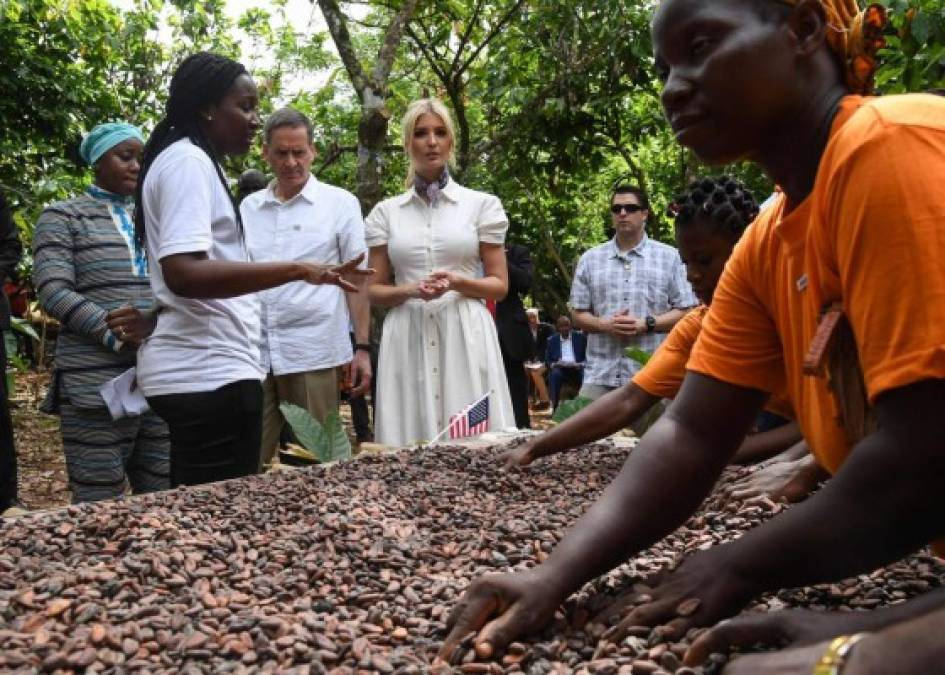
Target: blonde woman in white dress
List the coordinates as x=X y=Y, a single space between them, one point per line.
x=437 y=251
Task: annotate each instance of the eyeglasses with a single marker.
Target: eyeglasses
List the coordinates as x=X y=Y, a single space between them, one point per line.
x=629 y=208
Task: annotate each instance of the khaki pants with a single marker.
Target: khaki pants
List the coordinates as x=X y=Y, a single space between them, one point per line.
x=314 y=390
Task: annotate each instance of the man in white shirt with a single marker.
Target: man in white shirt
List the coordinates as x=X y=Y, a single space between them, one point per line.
x=304 y=327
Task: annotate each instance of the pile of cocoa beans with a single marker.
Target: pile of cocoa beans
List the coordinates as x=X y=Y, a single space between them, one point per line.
x=347 y=569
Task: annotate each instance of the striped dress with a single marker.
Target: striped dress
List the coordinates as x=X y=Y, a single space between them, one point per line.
x=85 y=263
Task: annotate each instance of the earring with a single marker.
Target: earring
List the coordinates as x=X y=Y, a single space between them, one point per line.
x=209 y=118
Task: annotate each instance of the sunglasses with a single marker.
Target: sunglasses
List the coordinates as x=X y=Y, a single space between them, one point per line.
x=629 y=208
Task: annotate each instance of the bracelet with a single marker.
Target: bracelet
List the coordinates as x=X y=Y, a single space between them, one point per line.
x=833 y=660
x=363 y=347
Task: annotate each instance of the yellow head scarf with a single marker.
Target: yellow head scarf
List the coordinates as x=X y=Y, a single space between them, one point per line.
x=855 y=36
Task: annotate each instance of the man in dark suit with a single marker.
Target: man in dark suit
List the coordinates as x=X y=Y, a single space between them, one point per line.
x=565 y=357
x=514 y=336
x=540 y=332
x=10 y=251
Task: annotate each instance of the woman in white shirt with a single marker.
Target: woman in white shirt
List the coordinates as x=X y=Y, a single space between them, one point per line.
x=438 y=254
x=200 y=370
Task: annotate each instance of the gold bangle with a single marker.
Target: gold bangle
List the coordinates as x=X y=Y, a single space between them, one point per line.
x=831 y=663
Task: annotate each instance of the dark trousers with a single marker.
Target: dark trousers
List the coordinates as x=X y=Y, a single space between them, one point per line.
x=8 y=489
x=360 y=418
x=558 y=377
x=518 y=390
x=215 y=435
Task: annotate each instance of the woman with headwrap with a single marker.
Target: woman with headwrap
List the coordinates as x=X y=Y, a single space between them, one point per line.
x=201 y=370
x=93 y=279
x=835 y=294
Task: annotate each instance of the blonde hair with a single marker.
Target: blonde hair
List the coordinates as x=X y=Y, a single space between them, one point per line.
x=414 y=112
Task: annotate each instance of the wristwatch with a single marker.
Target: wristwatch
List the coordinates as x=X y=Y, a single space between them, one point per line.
x=362 y=347
x=650 y=323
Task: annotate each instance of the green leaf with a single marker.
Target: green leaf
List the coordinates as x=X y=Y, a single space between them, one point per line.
x=307 y=429
x=338 y=446
x=327 y=442
x=641 y=356
x=571 y=407
x=23 y=326
x=921 y=28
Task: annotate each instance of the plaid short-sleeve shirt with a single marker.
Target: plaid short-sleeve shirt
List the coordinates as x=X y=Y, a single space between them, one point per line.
x=648 y=279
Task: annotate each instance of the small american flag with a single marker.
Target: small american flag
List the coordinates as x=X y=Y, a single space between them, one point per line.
x=472 y=420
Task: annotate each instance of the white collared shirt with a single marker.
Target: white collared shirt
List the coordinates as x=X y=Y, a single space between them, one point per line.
x=304 y=327
x=567 y=350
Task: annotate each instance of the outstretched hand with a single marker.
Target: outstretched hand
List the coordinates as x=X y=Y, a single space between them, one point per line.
x=699 y=593
x=515 y=458
x=499 y=609
x=337 y=275
x=789 y=628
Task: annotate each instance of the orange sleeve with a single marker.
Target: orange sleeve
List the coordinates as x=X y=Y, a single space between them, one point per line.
x=739 y=343
x=885 y=208
x=663 y=374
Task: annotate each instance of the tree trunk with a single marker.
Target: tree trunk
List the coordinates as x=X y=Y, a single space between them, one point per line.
x=372 y=141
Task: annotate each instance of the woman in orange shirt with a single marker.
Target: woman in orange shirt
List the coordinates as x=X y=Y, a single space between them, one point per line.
x=709 y=219
x=858 y=230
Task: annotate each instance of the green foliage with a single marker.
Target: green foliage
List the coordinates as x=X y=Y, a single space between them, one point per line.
x=555 y=101
x=326 y=442
x=23 y=327
x=914 y=57
x=570 y=407
x=641 y=356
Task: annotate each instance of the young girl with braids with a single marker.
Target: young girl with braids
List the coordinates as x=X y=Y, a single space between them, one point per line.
x=835 y=294
x=200 y=369
x=710 y=217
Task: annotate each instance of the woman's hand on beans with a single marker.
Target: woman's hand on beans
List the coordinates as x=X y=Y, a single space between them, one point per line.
x=499 y=609
x=790 y=628
x=700 y=592
x=515 y=458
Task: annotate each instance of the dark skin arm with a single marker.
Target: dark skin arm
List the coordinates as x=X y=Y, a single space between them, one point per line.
x=766 y=444
x=605 y=416
x=193 y=275
x=617 y=410
x=912 y=645
x=799 y=627
x=884 y=503
x=662 y=483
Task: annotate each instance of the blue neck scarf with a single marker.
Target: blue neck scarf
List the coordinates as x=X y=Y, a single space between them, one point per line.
x=119 y=206
x=431 y=190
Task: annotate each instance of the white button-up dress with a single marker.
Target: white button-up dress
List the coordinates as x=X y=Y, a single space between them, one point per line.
x=437 y=357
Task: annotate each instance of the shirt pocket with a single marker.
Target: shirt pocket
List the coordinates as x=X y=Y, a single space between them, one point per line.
x=310 y=241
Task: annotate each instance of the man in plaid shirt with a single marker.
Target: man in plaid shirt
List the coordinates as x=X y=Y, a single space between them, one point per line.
x=627 y=292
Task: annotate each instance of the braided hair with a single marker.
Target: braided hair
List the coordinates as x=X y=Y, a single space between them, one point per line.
x=720 y=200
x=200 y=80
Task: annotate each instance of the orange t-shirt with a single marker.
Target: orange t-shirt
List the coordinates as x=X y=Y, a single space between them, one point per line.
x=871 y=235
x=664 y=372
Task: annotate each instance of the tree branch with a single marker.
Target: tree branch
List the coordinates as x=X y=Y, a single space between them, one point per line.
x=427 y=52
x=388 y=50
x=464 y=39
x=489 y=37
x=338 y=27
